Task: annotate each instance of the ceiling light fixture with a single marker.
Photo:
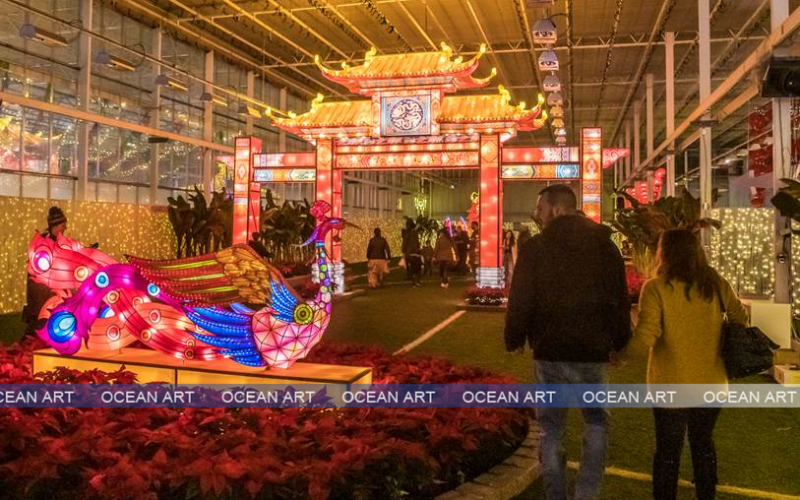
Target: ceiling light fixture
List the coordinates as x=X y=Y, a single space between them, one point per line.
x=245 y=110
x=166 y=81
x=113 y=62
x=30 y=32
x=209 y=97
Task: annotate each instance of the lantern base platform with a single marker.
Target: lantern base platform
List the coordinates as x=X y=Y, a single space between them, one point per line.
x=154 y=366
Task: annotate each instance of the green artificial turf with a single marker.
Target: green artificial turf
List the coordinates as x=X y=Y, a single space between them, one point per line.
x=755 y=446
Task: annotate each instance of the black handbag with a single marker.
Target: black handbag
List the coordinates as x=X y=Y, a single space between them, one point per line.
x=746 y=350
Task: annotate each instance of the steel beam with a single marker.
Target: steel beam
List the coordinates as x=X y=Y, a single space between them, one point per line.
x=208 y=127
x=704 y=63
x=84 y=99
x=155 y=122
x=781 y=168
x=669 y=71
x=649 y=122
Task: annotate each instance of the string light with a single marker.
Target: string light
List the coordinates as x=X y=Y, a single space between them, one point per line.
x=741 y=250
x=120 y=229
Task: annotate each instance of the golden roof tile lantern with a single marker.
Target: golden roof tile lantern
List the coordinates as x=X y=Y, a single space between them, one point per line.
x=401 y=71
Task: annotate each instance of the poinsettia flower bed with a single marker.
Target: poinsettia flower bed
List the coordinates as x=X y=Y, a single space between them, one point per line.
x=635 y=281
x=477 y=296
x=293 y=453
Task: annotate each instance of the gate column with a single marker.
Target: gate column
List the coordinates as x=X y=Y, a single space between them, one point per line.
x=490 y=272
x=329 y=189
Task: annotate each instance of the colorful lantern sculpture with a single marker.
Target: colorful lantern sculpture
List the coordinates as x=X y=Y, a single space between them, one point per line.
x=188 y=308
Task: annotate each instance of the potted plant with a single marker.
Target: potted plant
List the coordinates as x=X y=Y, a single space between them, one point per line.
x=643 y=223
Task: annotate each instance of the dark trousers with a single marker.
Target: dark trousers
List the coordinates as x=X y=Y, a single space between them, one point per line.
x=414 y=267
x=444 y=270
x=672 y=426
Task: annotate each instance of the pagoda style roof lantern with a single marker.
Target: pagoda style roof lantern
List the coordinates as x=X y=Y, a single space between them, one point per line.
x=435 y=70
x=458 y=114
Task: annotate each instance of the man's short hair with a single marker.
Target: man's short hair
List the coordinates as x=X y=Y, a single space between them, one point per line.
x=560 y=195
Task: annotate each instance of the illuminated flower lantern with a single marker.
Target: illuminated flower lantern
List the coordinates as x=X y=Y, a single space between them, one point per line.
x=188 y=308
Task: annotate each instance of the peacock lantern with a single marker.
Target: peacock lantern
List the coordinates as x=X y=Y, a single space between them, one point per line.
x=192 y=308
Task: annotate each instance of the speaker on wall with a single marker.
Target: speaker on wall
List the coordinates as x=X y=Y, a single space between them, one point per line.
x=782 y=78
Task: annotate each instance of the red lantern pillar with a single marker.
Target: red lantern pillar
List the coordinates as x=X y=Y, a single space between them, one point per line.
x=246 y=193
x=490 y=272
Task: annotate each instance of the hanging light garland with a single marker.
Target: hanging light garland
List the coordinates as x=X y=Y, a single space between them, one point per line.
x=379 y=16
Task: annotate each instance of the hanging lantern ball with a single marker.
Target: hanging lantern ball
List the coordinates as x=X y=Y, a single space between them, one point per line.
x=555 y=99
x=544 y=32
x=551 y=83
x=548 y=61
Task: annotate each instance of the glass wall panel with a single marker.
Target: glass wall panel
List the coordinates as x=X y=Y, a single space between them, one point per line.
x=10 y=124
x=107 y=192
x=126 y=194
x=36 y=141
x=9 y=184
x=62 y=189
x=34 y=186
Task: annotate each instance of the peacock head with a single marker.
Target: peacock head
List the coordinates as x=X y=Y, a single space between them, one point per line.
x=325 y=224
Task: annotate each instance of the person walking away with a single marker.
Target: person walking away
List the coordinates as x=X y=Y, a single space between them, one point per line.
x=462 y=248
x=378 y=257
x=680 y=320
x=427 y=258
x=569 y=301
x=444 y=254
x=412 y=253
x=37 y=294
x=509 y=253
x=524 y=235
x=474 y=248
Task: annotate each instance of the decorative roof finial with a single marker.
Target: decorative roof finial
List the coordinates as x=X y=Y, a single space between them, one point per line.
x=371 y=53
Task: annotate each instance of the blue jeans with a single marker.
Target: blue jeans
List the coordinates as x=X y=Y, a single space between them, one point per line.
x=554 y=425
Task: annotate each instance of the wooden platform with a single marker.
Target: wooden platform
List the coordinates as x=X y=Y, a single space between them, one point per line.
x=153 y=366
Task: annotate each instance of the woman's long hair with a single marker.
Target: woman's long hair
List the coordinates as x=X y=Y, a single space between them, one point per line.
x=681 y=257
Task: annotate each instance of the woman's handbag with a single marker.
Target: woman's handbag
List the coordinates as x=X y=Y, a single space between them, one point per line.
x=746 y=350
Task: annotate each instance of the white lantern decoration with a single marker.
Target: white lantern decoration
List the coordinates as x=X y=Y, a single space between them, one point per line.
x=561 y=132
x=548 y=61
x=561 y=140
x=551 y=83
x=544 y=32
x=555 y=99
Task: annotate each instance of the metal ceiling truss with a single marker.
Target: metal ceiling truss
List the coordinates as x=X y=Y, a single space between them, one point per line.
x=609 y=57
x=525 y=27
x=655 y=34
x=640 y=40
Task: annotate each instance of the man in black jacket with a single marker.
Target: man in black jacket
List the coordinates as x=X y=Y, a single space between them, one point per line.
x=569 y=301
x=378 y=256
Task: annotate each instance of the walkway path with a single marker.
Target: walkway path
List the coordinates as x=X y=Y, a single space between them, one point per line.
x=423 y=321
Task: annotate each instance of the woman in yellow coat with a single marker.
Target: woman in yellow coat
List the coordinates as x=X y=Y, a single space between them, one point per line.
x=680 y=320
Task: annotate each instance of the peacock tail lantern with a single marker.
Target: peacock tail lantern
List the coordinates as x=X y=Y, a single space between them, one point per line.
x=192 y=308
